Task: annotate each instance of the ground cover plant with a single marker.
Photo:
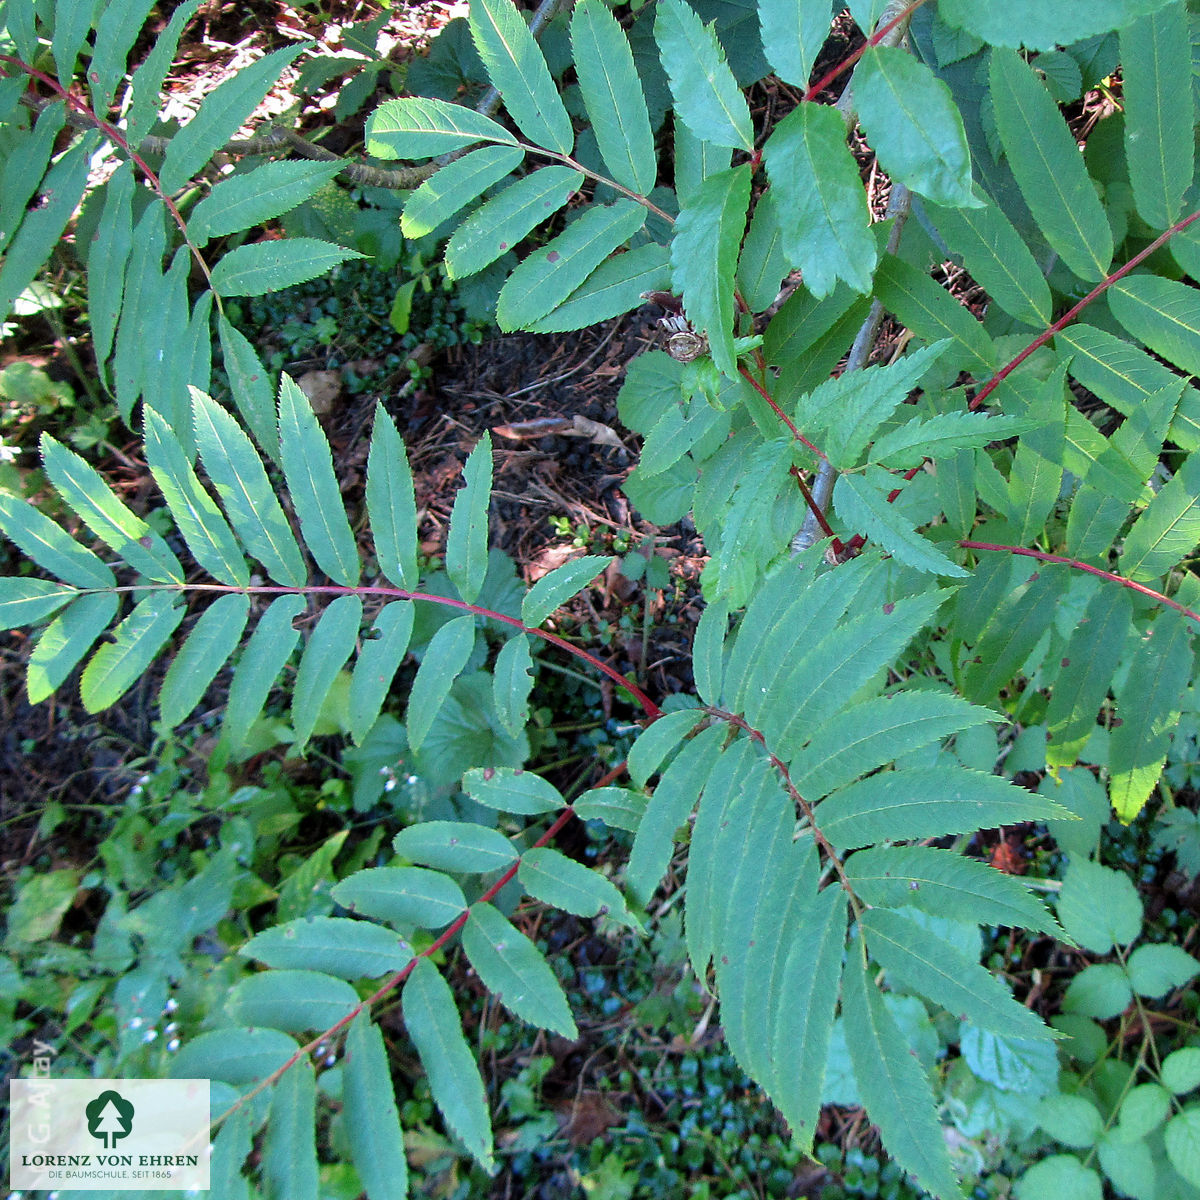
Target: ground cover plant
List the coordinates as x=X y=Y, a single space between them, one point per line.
x=992 y=529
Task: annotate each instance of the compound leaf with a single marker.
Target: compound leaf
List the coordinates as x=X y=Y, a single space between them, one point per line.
x=382 y=652
x=331 y=644
x=418 y=127
x=445 y=656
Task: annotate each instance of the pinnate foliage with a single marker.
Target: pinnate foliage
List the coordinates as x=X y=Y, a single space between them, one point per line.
x=811 y=770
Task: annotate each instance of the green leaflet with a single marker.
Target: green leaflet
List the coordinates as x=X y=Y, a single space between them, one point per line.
x=553 y=878
x=263 y=267
x=827 y=233
x=119 y=664
x=72 y=24
x=403 y=895
x=335 y=945
x=1182 y=1138
x=445 y=656
x=25 y=167
x=244 y=201
x=1041 y=26
x=1017 y=625
x=657 y=741
x=294 y=1001
x=801 y=1023
x=920 y=802
x=861 y=501
x=431 y=1018
x=289 y=1152
x=455 y=846
x=116 y=32
x=82 y=487
x=552 y=272
x=331 y=644
x=909 y=444
x=612 y=94
x=1162 y=313
x=932 y=313
x=742 y=779
x=998 y=258
x=417 y=127
x=517 y=68
x=212 y=640
x=704 y=257
x=209 y=538
x=1049 y=169
x=618 y=808
x=270 y=646
x=25 y=601
x=873 y=733
x=1036 y=476
x=763 y=262
x=50 y=546
x=250 y=383
x=923 y=962
x=230 y=1150
x=370 y=1119
x=313 y=486
x=941 y=881
x=249 y=499
x=1125 y=376
x=1148 y=706
x=892 y=1082
x=222 y=113
x=512 y=791
x=708 y=651
x=1169 y=528
x=559 y=585
x=676 y=795
x=515 y=971
x=1155 y=970
x=391 y=503
x=382 y=651
x=507 y=217
x=512 y=681
x=146 y=299
x=1099 y=907
x=65 y=641
x=1087 y=667
x=911 y=121
x=61 y=191
x=1155 y=56
x=455 y=185
x=146 y=86
x=233 y=1055
x=466 y=541
x=108 y=259
x=707 y=96
x=613 y=288
x=695 y=161
x=793 y=32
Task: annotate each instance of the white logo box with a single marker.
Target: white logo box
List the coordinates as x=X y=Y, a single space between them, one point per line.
x=107 y=1134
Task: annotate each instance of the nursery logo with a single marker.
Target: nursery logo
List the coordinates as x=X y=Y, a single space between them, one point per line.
x=109 y=1117
x=109 y=1135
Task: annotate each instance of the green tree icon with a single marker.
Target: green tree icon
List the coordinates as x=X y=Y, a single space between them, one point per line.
x=109 y=1117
